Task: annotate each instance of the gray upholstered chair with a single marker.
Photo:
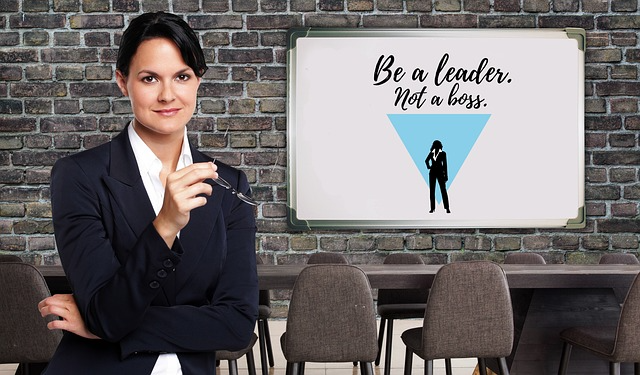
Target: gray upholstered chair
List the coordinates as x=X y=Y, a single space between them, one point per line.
x=398 y=304
x=327 y=258
x=454 y=325
x=331 y=318
x=10 y=258
x=264 y=312
x=618 y=258
x=524 y=258
x=233 y=356
x=616 y=344
x=25 y=338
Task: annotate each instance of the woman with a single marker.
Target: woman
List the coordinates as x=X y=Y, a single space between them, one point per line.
x=161 y=260
x=436 y=163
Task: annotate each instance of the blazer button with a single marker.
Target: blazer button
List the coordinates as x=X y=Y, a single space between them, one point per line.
x=167 y=263
x=154 y=285
x=162 y=274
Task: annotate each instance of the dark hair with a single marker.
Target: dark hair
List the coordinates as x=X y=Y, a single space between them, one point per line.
x=437 y=145
x=161 y=25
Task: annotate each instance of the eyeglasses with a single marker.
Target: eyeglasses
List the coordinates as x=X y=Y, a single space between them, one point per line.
x=246 y=199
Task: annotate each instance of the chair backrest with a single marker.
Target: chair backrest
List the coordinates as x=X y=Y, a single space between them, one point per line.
x=627 y=347
x=524 y=258
x=264 y=295
x=618 y=258
x=402 y=296
x=24 y=336
x=327 y=258
x=331 y=316
x=10 y=258
x=468 y=312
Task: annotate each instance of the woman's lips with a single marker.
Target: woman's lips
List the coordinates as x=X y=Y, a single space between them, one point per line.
x=167 y=112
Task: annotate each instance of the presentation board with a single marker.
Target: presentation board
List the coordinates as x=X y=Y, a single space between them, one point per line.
x=423 y=128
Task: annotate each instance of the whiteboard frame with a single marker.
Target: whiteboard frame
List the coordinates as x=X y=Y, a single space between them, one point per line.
x=293 y=70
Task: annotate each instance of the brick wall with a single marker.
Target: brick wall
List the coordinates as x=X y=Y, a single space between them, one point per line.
x=58 y=96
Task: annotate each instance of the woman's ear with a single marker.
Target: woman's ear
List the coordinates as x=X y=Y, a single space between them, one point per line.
x=121 y=80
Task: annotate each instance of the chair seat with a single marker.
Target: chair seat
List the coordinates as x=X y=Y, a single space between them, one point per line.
x=599 y=340
x=264 y=312
x=402 y=311
x=327 y=356
x=413 y=339
x=227 y=355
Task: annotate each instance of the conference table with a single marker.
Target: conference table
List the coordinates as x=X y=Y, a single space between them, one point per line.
x=546 y=299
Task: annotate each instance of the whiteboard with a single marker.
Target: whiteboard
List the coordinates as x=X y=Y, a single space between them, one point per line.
x=364 y=108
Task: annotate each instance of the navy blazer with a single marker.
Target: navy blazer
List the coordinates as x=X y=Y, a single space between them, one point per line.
x=139 y=296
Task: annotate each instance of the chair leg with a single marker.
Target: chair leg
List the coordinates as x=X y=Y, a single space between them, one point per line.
x=233 y=367
x=251 y=363
x=380 y=339
x=22 y=369
x=502 y=366
x=447 y=366
x=267 y=337
x=636 y=368
x=366 y=368
x=614 y=368
x=428 y=367
x=262 y=341
x=564 y=359
x=482 y=366
x=408 y=361
x=387 y=354
x=294 y=368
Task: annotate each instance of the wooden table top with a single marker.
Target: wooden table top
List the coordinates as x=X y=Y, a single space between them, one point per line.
x=392 y=276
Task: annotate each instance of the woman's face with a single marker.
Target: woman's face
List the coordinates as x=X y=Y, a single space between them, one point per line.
x=162 y=89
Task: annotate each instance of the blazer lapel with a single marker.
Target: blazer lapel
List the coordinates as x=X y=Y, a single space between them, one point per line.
x=126 y=186
x=128 y=192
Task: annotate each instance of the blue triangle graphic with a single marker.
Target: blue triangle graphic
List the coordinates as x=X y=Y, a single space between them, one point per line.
x=457 y=132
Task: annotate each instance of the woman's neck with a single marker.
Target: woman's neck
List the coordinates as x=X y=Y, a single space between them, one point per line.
x=166 y=147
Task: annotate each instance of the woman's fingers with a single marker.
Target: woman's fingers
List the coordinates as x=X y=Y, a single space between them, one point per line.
x=56 y=304
x=196 y=172
x=65 y=308
x=184 y=190
x=188 y=183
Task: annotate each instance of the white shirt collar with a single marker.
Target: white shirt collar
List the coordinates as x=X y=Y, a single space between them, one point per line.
x=145 y=157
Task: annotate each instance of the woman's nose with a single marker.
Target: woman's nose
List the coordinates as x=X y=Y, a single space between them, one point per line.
x=166 y=93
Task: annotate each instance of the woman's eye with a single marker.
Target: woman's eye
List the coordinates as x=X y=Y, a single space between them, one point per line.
x=149 y=79
x=183 y=77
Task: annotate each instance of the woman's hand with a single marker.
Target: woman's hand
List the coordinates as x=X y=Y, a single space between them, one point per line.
x=183 y=192
x=65 y=307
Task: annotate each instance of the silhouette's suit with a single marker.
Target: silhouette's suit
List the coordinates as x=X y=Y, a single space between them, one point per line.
x=140 y=296
x=437 y=172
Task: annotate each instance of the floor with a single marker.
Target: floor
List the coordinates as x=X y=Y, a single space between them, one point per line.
x=460 y=366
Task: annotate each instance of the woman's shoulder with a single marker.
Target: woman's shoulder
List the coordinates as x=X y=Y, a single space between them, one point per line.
x=92 y=164
x=90 y=158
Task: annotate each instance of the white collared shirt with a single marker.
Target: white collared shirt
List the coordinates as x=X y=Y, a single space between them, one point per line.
x=150 y=167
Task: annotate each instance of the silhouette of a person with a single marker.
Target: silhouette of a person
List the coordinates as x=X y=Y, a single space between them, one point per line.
x=436 y=163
